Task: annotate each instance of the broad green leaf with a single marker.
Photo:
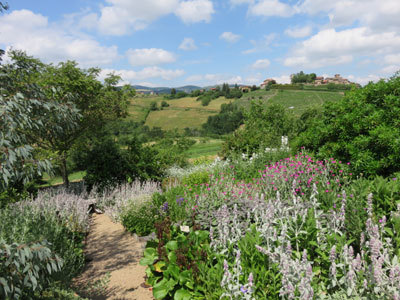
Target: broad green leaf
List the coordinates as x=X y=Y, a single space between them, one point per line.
x=172 y=245
x=182 y=294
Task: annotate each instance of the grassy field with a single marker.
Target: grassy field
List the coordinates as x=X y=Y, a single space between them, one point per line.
x=49 y=181
x=204 y=147
x=187 y=112
x=181 y=113
x=299 y=101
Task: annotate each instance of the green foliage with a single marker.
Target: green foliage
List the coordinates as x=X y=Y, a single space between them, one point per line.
x=341 y=87
x=281 y=87
x=228 y=120
x=153 y=106
x=26 y=226
x=264 y=126
x=28 y=111
x=63 y=86
x=302 y=77
x=108 y=165
x=174 y=260
x=205 y=100
x=140 y=219
x=105 y=165
x=164 y=104
x=25 y=268
x=196 y=178
x=171 y=151
x=361 y=128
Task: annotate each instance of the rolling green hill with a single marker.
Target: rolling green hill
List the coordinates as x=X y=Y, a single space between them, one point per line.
x=187 y=112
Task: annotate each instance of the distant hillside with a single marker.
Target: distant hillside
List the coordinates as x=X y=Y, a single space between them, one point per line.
x=165 y=90
x=187 y=112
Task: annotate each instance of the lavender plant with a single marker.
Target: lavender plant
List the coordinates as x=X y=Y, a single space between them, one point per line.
x=117 y=200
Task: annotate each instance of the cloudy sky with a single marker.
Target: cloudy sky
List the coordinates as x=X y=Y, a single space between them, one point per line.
x=204 y=42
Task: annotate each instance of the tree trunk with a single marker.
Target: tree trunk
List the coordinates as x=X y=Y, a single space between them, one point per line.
x=64 y=170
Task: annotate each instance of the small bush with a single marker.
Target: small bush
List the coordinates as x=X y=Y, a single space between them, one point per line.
x=196 y=178
x=140 y=220
x=26 y=268
x=164 y=103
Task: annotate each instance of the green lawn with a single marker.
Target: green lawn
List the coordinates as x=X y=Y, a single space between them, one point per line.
x=49 y=181
x=205 y=148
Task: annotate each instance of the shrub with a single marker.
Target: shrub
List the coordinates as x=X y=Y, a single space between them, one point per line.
x=49 y=229
x=108 y=166
x=228 y=119
x=140 y=219
x=264 y=125
x=362 y=128
x=26 y=268
x=205 y=100
x=164 y=103
x=153 y=106
x=196 y=178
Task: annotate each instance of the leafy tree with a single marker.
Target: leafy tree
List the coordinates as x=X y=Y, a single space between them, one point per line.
x=362 y=128
x=302 y=77
x=27 y=109
x=62 y=84
x=173 y=92
x=263 y=127
x=108 y=165
x=229 y=119
x=225 y=88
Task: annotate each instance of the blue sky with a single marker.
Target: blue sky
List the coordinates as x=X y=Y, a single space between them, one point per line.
x=206 y=42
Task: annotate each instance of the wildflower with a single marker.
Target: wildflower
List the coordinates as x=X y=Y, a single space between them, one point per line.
x=179 y=200
x=165 y=207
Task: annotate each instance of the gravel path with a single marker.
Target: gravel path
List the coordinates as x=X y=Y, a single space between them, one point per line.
x=111 y=249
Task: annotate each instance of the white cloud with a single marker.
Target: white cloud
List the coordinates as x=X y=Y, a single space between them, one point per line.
x=363 y=80
x=261 y=45
x=146 y=73
x=391 y=69
x=299 y=32
x=254 y=79
x=261 y=64
x=123 y=16
x=229 y=37
x=282 y=79
x=194 y=11
x=212 y=79
x=25 y=30
x=270 y=8
x=376 y=14
x=392 y=59
x=149 y=57
x=188 y=44
x=330 y=47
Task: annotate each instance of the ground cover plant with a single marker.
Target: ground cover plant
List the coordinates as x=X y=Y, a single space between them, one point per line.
x=41 y=244
x=302 y=229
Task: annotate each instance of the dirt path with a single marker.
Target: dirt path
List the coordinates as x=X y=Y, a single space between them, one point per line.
x=113 y=250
